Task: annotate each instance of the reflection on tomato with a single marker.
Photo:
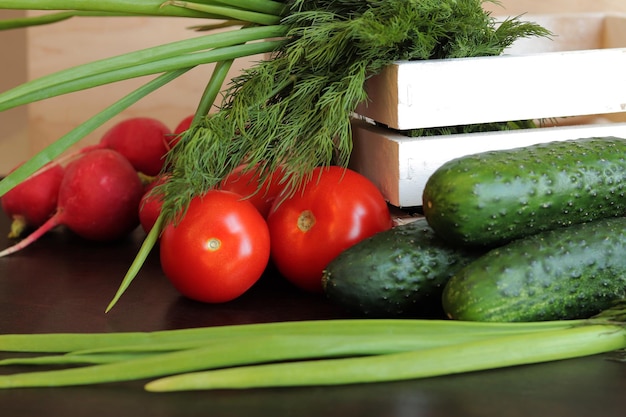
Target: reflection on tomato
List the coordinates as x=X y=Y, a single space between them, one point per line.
x=247 y=182
x=218 y=250
x=336 y=209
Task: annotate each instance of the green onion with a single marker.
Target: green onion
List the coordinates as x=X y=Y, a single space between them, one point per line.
x=469 y=356
x=148 y=61
x=68 y=342
x=317 y=352
x=49 y=18
x=74 y=359
x=229 y=12
x=128 y=7
x=224 y=353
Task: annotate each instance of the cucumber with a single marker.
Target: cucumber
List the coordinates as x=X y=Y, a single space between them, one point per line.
x=567 y=273
x=490 y=198
x=398 y=272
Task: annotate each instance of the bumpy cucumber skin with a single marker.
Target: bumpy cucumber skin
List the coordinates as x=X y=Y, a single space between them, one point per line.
x=396 y=273
x=491 y=198
x=568 y=273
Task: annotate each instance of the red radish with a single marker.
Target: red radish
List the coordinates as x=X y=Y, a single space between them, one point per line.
x=183 y=125
x=150 y=206
x=98 y=199
x=144 y=141
x=32 y=202
x=180 y=128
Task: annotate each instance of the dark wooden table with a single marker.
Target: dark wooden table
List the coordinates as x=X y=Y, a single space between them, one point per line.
x=63 y=284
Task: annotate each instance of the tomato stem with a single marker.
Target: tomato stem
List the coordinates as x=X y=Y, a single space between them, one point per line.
x=214 y=244
x=306 y=220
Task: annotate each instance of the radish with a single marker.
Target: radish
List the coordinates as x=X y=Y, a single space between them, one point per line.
x=144 y=141
x=98 y=199
x=150 y=205
x=182 y=126
x=33 y=201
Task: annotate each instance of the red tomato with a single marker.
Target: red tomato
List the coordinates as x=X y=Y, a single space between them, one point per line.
x=218 y=250
x=336 y=209
x=247 y=184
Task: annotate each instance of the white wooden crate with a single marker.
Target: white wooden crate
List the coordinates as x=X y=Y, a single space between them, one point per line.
x=400 y=166
x=580 y=72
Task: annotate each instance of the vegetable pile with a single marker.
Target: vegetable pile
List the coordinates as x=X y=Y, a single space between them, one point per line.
x=95 y=193
x=261 y=177
x=290 y=112
x=526 y=234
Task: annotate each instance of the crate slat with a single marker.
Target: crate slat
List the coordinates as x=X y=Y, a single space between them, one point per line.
x=400 y=166
x=410 y=95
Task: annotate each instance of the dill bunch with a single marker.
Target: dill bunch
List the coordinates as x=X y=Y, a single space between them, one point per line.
x=294 y=108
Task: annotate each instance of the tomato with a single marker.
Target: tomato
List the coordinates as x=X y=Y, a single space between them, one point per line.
x=218 y=250
x=336 y=209
x=248 y=184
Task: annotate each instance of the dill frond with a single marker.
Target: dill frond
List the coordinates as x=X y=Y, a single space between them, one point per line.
x=294 y=109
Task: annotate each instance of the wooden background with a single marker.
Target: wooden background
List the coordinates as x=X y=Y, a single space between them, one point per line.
x=42 y=50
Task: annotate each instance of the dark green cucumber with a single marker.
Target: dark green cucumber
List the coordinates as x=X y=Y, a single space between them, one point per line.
x=491 y=198
x=398 y=272
x=567 y=273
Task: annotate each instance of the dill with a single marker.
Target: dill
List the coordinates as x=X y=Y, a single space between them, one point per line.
x=294 y=108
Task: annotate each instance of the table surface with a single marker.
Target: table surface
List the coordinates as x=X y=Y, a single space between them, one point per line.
x=63 y=284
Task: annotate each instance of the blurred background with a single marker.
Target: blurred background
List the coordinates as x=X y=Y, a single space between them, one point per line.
x=33 y=52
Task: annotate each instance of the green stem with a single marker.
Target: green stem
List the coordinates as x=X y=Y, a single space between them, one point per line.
x=55 y=149
x=263 y=6
x=49 y=18
x=168 y=64
x=233 y=352
x=451 y=359
x=74 y=359
x=69 y=342
x=140 y=258
x=228 y=12
x=121 y=63
x=213 y=88
x=144 y=7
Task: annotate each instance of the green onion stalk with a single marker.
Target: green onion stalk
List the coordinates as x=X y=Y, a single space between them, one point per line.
x=292 y=109
x=300 y=353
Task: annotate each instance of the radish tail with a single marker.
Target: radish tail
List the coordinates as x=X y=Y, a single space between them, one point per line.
x=50 y=224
